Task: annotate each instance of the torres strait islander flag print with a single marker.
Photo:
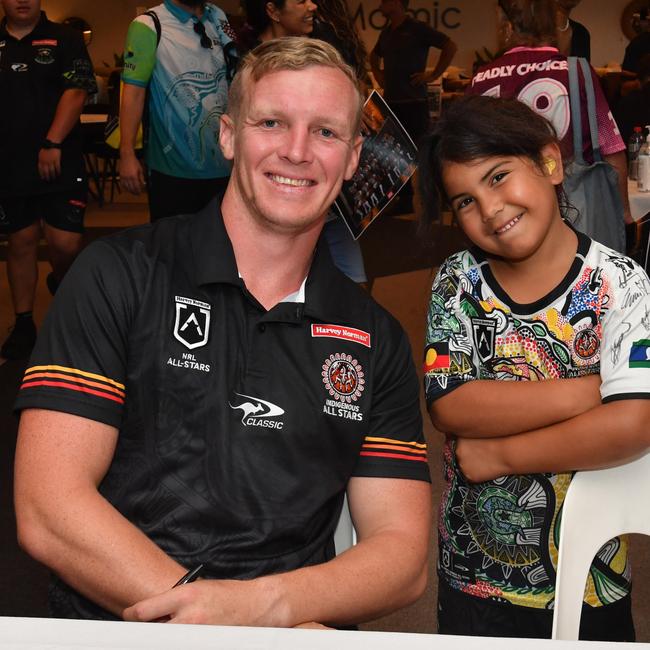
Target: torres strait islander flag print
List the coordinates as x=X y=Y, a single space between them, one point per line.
x=640 y=354
x=436 y=357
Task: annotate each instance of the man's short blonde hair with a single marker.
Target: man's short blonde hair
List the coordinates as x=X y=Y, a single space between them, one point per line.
x=288 y=53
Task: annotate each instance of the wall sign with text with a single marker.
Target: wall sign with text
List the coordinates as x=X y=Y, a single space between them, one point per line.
x=440 y=15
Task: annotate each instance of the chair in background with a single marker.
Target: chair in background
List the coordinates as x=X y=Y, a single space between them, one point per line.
x=599 y=505
x=344 y=536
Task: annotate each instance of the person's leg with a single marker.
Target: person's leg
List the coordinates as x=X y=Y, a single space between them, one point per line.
x=22 y=272
x=171 y=195
x=63 y=247
x=22 y=268
x=63 y=228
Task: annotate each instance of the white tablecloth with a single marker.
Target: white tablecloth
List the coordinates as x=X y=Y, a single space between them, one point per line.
x=639 y=201
x=57 y=634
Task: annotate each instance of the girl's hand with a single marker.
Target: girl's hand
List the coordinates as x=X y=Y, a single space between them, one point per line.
x=481 y=459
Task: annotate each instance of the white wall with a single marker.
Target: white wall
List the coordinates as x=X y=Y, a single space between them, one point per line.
x=471 y=23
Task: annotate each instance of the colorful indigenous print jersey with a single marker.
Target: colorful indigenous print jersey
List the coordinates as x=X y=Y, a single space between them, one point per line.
x=499 y=539
x=188 y=87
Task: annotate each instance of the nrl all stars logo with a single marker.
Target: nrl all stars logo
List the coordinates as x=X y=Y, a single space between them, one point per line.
x=343 y=377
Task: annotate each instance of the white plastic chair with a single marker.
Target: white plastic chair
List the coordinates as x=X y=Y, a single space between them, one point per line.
x=344 y=536
x=599 y=505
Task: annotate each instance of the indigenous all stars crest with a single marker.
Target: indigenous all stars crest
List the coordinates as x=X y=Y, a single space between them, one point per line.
x=343 y=377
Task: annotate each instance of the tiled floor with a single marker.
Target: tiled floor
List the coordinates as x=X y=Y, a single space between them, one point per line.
x=401 y=285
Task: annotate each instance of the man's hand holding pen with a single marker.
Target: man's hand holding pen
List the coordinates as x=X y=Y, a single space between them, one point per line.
x=215 y=602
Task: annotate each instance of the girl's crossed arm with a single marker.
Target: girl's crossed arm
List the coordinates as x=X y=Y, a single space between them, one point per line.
x=610 y=434
x=489 y=409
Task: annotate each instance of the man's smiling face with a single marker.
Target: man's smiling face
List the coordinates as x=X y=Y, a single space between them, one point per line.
x=293 y=145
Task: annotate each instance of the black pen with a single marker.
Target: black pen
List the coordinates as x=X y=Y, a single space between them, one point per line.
x=190 y=576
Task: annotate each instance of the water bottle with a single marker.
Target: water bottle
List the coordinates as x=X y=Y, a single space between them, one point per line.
x=643 y=179
x=633 y=146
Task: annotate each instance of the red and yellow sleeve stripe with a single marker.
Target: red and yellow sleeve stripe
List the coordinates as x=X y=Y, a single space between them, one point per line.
x=74 y=380
x=396 y=449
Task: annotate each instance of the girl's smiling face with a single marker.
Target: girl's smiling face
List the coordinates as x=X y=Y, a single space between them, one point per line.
x=506 y=205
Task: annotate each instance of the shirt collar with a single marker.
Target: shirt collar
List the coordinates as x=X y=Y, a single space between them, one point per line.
x=183 y=15
x=214 y=258
x=524 y=48
x=327 y=294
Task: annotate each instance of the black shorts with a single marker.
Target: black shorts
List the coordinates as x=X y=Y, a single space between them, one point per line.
x=62 y=210
x=172 y=195
x=460 y=613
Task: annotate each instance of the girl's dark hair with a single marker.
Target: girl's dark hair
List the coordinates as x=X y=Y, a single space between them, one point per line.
x=533 y=21
x=475 y=127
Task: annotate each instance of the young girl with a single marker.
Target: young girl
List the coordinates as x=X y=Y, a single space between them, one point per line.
x=536 y=364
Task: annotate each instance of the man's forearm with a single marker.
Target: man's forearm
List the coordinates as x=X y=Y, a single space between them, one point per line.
x=67 y=525
x=444 y=60
x=357 y=586
x=619 y=162
x=67 y=114
x=131 y=112
x=100 y=554
x=386 y=570
x=490 y=408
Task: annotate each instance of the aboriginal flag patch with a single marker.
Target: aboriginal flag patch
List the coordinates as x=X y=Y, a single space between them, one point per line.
x=436 y=357
x=640 y=354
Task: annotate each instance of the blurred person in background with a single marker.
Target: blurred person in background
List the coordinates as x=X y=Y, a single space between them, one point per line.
x=403 y=49
x=181 y=80
x=634 y=109
x=640 y=44
x=45 y=78
x=573 y=38
x=533 y=70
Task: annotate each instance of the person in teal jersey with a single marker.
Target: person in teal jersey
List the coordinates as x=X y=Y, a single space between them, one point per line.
x=180 y=76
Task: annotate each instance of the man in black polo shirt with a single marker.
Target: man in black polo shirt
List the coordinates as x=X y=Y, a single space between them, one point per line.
x=207 y=388
x=45 y=77
x=403 y=47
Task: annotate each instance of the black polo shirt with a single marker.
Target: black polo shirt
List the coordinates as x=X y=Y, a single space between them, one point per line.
x=405 y=50
x=239 y=428
x=34 y=73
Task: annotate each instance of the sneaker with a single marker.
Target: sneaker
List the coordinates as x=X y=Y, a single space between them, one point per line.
x=51 y=282
x=20 y=342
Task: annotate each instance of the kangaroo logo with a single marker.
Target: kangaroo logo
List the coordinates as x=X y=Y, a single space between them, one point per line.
x=254 y=409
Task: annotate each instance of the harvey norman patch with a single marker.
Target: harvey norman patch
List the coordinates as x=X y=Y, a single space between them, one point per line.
x=340 y=332
x=192 y=322
x=640 y=354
